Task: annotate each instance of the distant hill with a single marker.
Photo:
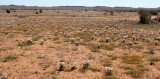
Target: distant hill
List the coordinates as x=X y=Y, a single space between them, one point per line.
x=12 y=6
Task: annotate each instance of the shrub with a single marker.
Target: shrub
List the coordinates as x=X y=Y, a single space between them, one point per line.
x=61 y=66
x=85 y=64
x=4 y=76
x=154 y=12
x=26 y=42
x=40 y=11
x=42 y=42
x=144 y=16
x=111 y=12
x=29 y=41
x=8 y=11
x=6 y=32
x=37 y=13
x=109 y=71
x=158 y=19
x=86 y=10
x=74 y=65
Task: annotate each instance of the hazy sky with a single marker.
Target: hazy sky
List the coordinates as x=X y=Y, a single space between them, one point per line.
x=110 y=3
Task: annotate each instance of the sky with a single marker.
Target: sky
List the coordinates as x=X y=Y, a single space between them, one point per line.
x=109 y=3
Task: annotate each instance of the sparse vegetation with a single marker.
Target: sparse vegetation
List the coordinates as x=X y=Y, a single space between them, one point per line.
x=54 y=43
x=40 y=57
x=27 y=42
x=107 y=63
x=94 y=70
x=36 y=72
x=9 y=58
x=134 y=73
x=131 y=59
x=2 y=49
x=155 y=59
x=85 y=64
x=151 y=51
x=126 y=68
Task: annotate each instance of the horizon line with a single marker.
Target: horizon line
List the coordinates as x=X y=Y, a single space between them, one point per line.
x=75 y=6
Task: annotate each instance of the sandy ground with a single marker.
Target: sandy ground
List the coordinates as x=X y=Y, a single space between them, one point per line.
x=20 y=60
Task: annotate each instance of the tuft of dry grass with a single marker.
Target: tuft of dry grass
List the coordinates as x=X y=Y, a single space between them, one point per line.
x=9 y=58
x=131 y=59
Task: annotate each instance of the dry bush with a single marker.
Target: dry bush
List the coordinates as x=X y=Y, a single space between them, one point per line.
x=136 y=73
x=40 y=11
x=158 y=19
x=10 y=57
x=154 y=12
x=8 y=11
x=145 y=17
